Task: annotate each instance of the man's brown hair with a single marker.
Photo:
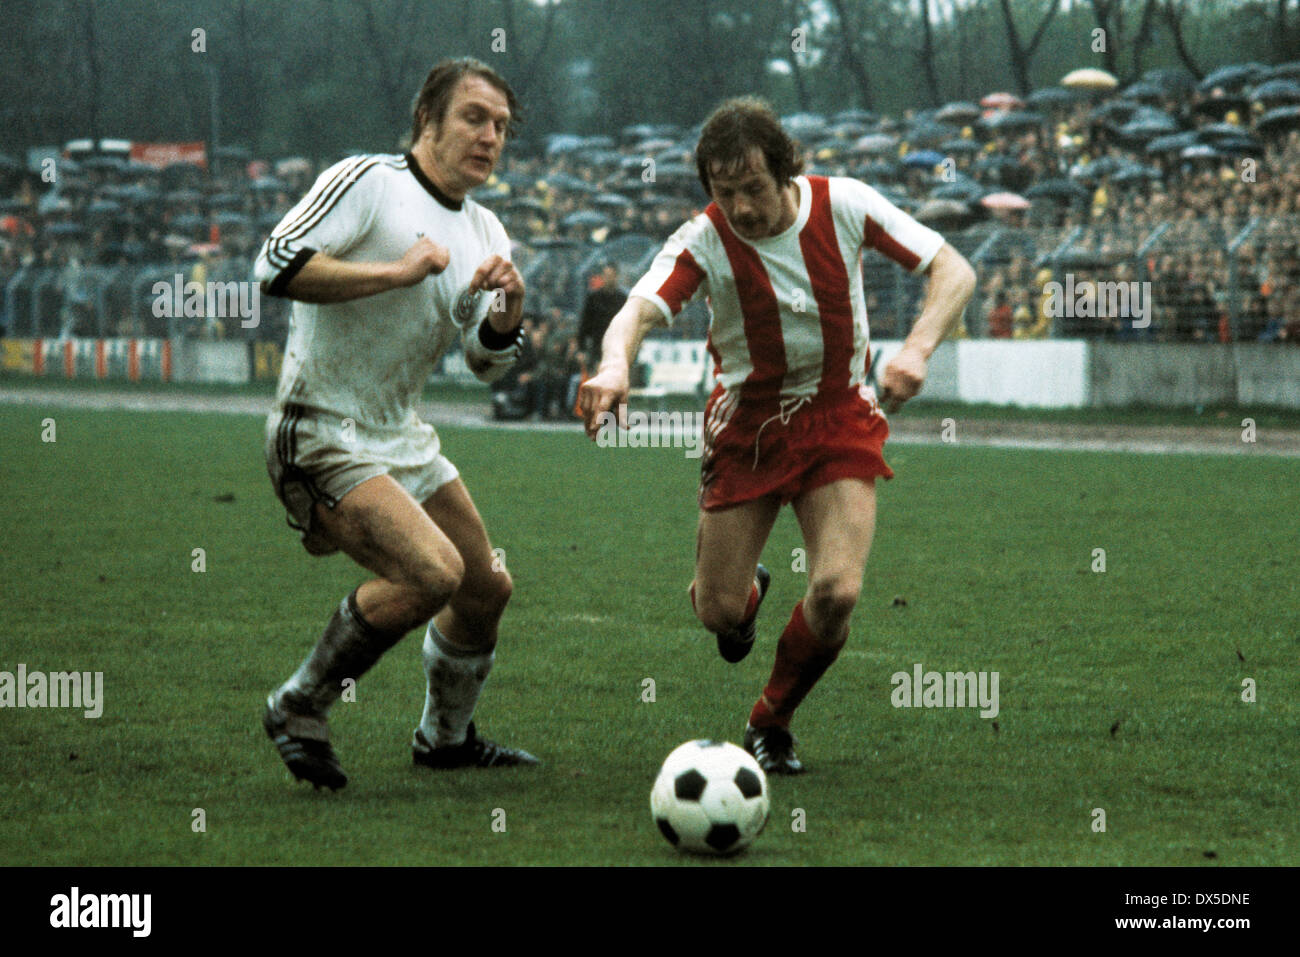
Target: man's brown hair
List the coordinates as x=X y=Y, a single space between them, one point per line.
x=738 y=126
x=431 y=102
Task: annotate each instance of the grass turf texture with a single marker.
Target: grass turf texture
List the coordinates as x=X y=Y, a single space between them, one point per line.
x=1119 y=690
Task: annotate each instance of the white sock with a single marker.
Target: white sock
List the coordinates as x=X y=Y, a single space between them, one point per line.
x=455 y=680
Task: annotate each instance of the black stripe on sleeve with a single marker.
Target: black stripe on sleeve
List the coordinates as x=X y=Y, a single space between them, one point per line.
x=277 y=286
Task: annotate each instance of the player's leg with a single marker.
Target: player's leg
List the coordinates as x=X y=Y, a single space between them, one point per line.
x=729 y=583
x=838 y=523
x=460 y=642
x=381 y=527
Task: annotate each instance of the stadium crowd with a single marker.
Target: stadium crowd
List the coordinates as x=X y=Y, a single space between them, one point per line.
x=1194 y=188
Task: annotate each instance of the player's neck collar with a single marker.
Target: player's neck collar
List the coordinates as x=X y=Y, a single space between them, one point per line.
x=453 y=204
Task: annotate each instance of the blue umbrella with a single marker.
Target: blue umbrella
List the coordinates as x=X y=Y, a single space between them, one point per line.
x=1278 y=120
x=923 y=159
x=1173 y=143
x=1052 y=98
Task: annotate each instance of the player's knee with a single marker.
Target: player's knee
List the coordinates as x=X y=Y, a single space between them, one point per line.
x=430 y=586
x=489 y=598
x=830 y=602
x=718 y=611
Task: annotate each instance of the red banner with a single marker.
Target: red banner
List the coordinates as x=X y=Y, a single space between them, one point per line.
x=164 y=154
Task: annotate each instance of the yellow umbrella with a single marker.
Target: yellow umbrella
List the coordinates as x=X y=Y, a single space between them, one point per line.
x=1089 y=78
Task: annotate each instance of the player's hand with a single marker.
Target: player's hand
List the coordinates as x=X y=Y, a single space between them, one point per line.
x=605 y=391
x=425 y=258
x=497 y=273
x=902 y=378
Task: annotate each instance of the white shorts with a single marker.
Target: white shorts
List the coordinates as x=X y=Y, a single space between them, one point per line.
x=315 y=457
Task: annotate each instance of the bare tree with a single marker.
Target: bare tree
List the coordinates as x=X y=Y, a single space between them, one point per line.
x=1021 y=52
x=848 y=53
x=1174 y=18
x=1109 y=15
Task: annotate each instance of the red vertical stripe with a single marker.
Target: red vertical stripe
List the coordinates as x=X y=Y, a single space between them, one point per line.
x=762 y=313
x=101 y=360
x=38 y=357
x=70 y=358
x=882 y=242
x=830 y=287
x=166 y=360
x=681 y=282
x=133 y=360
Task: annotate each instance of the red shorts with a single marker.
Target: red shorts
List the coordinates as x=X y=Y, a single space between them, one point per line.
x=753 y=450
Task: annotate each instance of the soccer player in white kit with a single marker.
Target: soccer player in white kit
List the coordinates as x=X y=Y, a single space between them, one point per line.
x=388 y=262
x=794 y=418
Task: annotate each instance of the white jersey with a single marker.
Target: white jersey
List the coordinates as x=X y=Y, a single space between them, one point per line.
x=368 y=359
x=788 y=312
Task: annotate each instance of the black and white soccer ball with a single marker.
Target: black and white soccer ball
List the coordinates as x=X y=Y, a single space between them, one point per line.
x=710 y=798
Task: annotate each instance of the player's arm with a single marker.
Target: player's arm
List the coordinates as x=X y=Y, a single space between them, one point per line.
x=493 y=345
x=950 y=286
x=607 y=390
x=322 y=278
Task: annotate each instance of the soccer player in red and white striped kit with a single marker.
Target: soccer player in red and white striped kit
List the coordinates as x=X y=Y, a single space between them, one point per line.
x=794 y=418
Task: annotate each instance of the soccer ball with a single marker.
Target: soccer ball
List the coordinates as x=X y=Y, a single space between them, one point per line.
x=710 y=798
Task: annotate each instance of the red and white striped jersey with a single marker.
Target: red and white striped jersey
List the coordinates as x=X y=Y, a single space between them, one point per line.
x=788 y=314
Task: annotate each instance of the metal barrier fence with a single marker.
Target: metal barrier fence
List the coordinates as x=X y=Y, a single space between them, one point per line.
x=1219 y=279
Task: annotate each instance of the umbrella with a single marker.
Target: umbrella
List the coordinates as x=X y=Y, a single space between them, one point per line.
x=188 y=222
x=1148 y=126
x=928 y=134
x=939 y=210
x=1089 y=78
x=963 y=189
x=874 y=143
x=923 y=159
x=1174 y=81
x=64 y=229
x=1002 y=101
x=1062 y=190
x=269 y=184
x=104 y=207
x=1277 y=91
x=959 y=146
x=585 y=217
x=183 y=196
x=880 y=169
x=958 y=113
x=803 y=124
x=854 y=116
x=292 y=165
x=1242 y=143
x=560 y=143
x=1115 y=112
x=230 y=218
x=654 y=144
x=1017 y=120
x=1052 y=98
x=1202 y=151
x=1005 y=201
x=598 y=143
x=848 y=131
x=1285 y=71
x=1136 y=173
x=1279 y=119
x=611 y=201
x=529 y=203
x=1173 y=143
x=1233 y=77
x=1145 y=92
x=1092 y=172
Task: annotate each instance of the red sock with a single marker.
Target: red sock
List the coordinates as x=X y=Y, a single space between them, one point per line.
x=801 y=660
x=751 y=607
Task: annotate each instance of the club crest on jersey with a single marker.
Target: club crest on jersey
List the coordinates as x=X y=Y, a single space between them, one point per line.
x=466 y=304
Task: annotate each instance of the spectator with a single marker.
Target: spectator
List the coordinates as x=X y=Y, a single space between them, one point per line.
x=604 y=299
x=1000 y=317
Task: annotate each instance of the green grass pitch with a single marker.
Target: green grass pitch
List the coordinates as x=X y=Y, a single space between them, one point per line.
x=1120 y=690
